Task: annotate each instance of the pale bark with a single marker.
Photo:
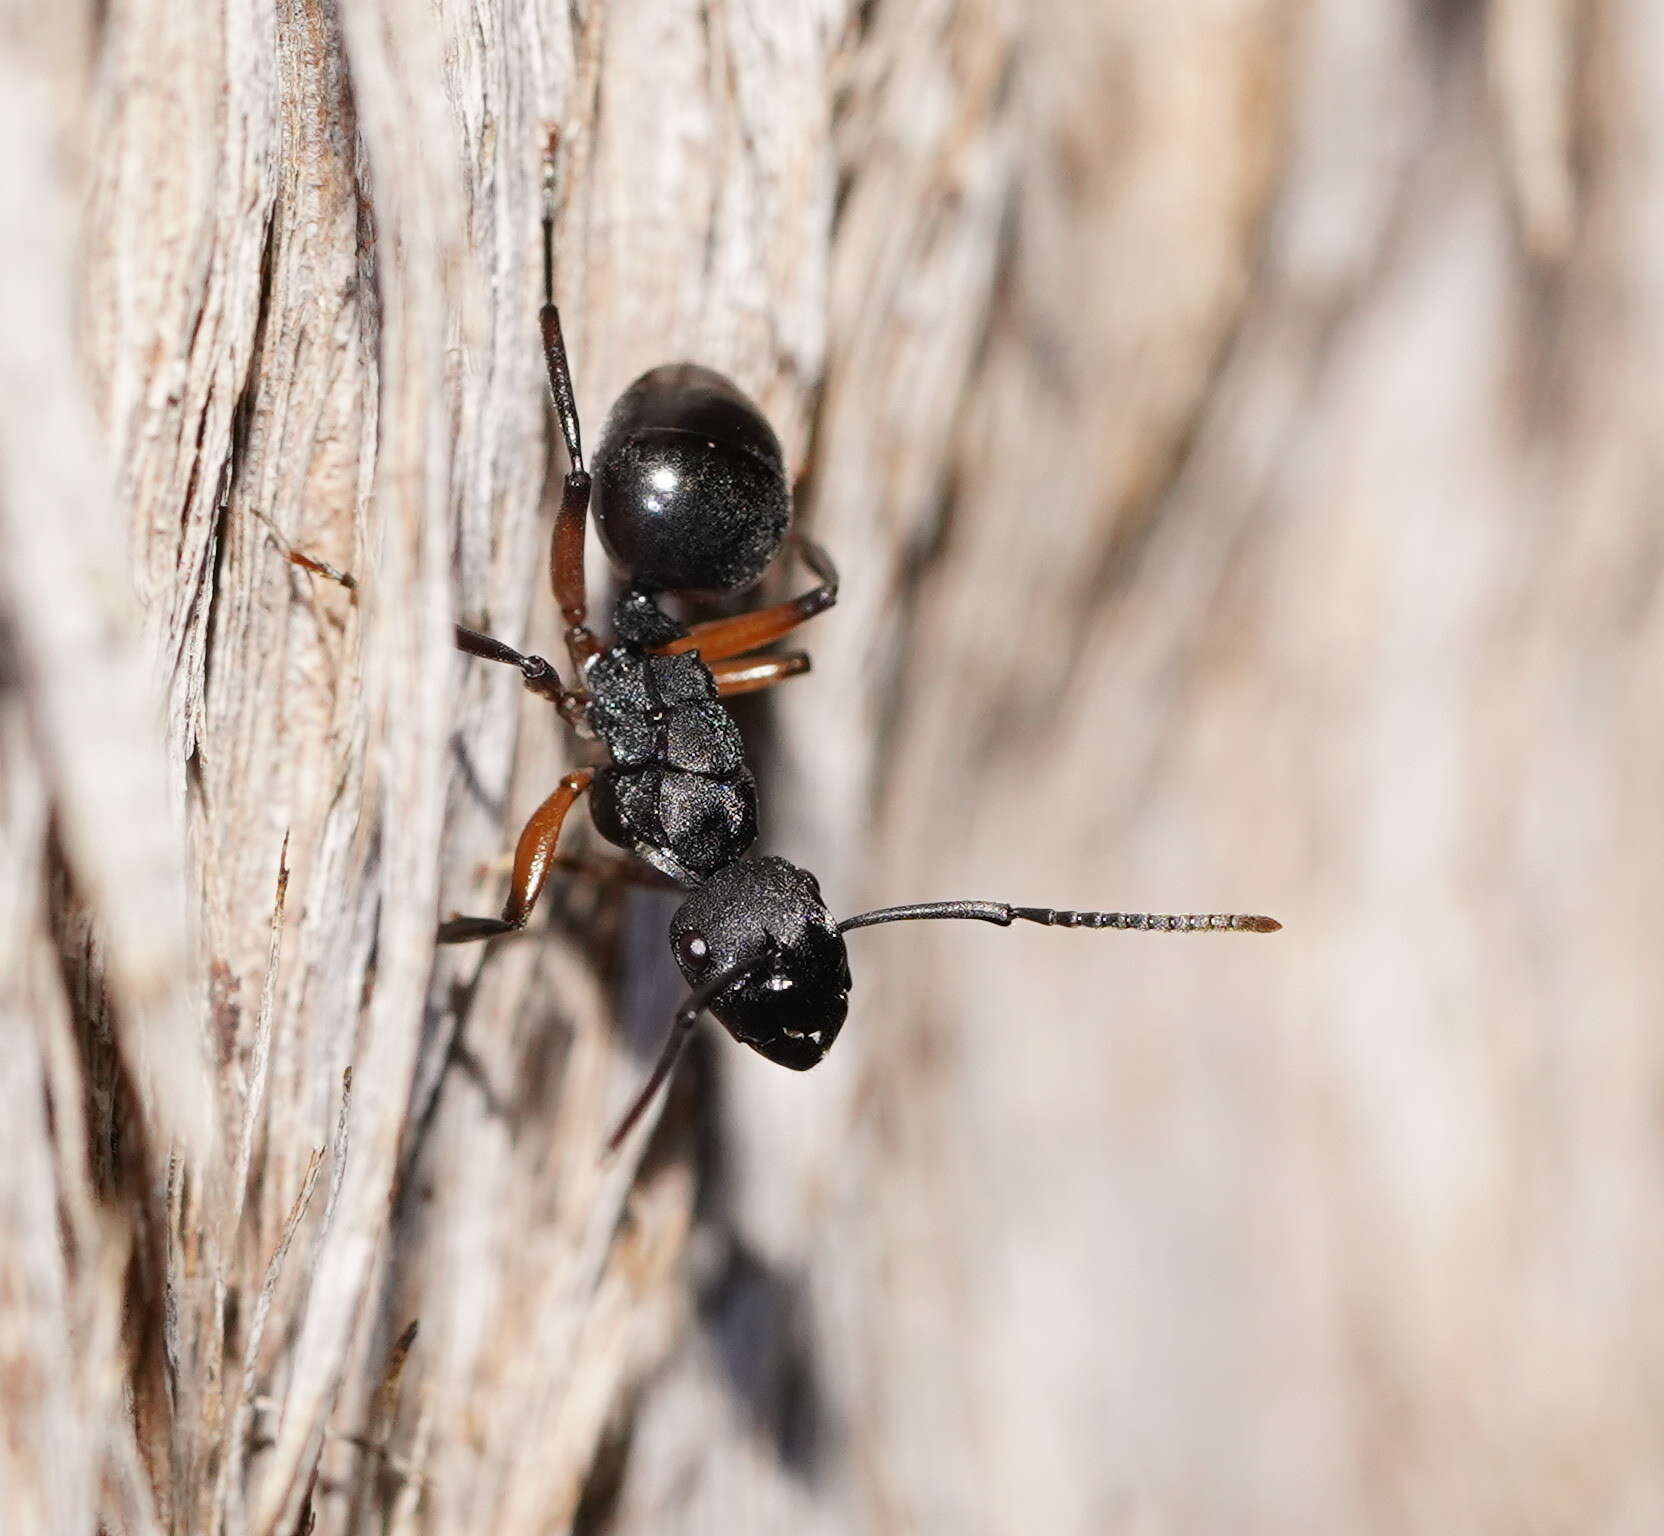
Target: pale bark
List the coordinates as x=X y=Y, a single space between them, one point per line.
x=1237 y=424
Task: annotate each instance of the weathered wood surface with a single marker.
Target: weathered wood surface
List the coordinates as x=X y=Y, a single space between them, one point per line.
x=1238 y=427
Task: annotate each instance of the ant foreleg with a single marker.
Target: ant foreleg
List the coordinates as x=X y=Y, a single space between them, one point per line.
x=718 y=639
x=534 y=855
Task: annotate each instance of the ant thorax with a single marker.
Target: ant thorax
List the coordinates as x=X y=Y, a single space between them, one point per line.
x=677 y=792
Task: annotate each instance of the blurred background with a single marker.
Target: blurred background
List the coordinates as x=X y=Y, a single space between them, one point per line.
x=1237 y=425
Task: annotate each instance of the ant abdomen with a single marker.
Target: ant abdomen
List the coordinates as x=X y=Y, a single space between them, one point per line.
x=690 y=491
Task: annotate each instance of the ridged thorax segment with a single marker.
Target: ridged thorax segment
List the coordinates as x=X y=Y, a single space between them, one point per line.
x=677 y=792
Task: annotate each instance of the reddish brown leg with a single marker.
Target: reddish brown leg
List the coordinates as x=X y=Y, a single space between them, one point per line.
x=721 y=638
x=609 y=871
x=566 y=548
x=566 y=568
x=750 y=674
x=306 y=562
x=534 y=854
x=322 y=568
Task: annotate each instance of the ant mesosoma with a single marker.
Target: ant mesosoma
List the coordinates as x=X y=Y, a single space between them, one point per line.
x=690 y=494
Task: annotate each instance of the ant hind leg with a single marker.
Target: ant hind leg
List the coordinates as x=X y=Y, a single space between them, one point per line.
x=719 y=639
x=566 y=549
x=751 y=674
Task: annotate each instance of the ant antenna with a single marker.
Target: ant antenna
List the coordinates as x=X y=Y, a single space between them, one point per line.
x=686 y=1017
x=1004 y=915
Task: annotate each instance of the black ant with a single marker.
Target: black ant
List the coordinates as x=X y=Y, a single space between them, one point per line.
x=690 y=495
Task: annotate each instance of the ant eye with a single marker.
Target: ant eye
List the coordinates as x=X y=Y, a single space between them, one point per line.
x=692 y=951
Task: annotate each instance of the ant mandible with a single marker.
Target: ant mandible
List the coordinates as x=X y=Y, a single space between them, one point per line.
x=689 y=494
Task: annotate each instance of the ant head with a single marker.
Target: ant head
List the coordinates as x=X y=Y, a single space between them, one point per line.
x=766 y=916
x=761 y=952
